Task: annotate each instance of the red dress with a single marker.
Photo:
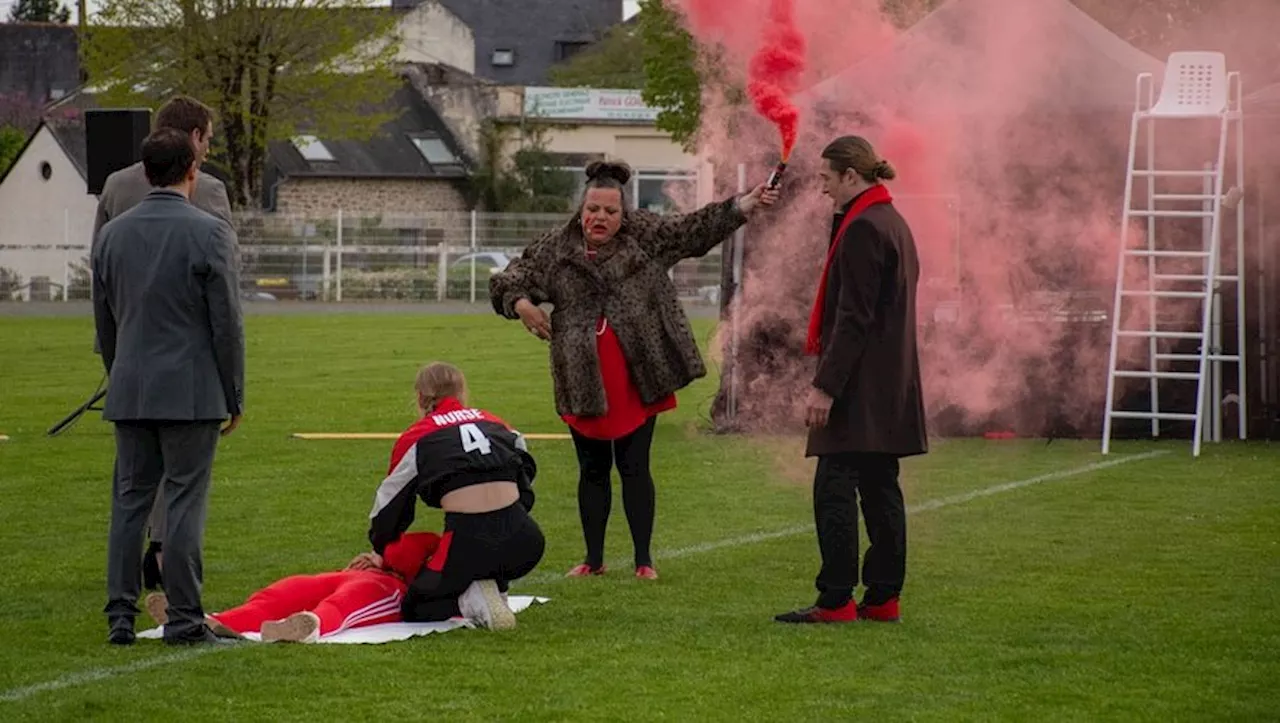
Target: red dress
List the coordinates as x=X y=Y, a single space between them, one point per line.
x=626 y=412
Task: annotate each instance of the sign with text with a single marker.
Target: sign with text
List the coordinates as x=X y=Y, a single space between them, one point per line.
x=587 y=104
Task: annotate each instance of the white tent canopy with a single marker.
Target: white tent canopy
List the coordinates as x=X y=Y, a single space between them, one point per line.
x=1046 y=54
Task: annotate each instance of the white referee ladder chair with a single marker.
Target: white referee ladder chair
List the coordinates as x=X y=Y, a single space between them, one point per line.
x=1196 y=86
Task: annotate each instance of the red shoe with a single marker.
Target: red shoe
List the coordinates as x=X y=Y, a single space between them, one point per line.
x=886 y=612
x=584 y=570
x=846 y=614
x=646 y=572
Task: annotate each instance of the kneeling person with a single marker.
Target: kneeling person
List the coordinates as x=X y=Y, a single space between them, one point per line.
x=470 y=464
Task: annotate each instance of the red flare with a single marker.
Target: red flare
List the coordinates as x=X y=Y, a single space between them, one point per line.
x=774 y=73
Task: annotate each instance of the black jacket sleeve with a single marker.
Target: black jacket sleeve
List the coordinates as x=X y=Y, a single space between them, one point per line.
x=393 y=503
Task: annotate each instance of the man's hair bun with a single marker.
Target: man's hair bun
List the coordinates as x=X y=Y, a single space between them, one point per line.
x=601 y=170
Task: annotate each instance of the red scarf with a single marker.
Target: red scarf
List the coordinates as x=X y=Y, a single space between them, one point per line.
x=868 y=198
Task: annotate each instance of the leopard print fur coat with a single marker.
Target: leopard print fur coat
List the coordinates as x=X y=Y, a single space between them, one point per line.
x=627 y=283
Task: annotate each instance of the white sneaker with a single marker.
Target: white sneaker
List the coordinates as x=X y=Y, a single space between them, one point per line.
x=482 y=604
x=303 y=627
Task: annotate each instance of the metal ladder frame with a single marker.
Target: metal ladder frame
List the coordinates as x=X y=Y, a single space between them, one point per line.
x=1211 y=305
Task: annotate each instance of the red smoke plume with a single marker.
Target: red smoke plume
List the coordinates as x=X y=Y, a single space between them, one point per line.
x=1007 y=122
x=775 y=72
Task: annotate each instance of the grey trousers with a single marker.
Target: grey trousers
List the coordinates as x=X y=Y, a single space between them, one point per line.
x=175 y=460
x=155 y=526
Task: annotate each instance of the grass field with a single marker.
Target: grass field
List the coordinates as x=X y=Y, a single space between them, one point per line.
x=1143 y=590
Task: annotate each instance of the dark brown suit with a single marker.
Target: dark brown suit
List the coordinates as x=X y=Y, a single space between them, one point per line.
x=869 y=362
x=870 y=366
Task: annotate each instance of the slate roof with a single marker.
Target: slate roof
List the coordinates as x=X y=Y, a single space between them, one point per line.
x=68 y=133
x=389 y=154
x=37 y=59
x=531 y=28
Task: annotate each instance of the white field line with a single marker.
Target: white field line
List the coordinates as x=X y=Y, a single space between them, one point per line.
x=92 y=675
x=911 y=509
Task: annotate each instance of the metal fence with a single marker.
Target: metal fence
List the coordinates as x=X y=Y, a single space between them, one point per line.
x=346 y=256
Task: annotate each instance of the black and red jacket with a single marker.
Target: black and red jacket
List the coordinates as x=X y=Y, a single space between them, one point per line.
x=450 y=448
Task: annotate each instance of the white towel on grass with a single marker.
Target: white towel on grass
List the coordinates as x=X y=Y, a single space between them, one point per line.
x=387 y=632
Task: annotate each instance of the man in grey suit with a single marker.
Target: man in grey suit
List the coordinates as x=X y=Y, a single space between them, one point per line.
x=125 y=189
x=167 y=310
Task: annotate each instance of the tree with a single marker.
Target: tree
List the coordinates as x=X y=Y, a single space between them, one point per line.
x=670 y=61
x=39 y=11
x=613 y=62
x=677 y=68
x=271 y=69
x=530 y=183
x=11 y=142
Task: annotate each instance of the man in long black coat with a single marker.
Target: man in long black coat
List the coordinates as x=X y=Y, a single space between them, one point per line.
x=866 y=408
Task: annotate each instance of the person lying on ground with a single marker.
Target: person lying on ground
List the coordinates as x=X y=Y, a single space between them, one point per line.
x=304 y=608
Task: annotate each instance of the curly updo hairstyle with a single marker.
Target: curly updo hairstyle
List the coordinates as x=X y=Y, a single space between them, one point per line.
x=608 y=174
x=857 y=153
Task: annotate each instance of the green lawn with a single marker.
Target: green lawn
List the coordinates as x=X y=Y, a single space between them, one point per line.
x=1146 y=590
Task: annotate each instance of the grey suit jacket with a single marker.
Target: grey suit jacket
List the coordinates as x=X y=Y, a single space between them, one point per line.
x=125 y=188
x=166 y=304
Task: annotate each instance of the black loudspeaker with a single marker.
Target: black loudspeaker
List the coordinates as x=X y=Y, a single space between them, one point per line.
x=113 y=140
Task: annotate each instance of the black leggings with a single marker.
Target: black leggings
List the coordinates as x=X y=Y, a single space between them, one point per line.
x=502 y=546
x=596 y=458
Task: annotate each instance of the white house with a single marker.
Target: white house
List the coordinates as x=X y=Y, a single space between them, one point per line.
x=46 y=212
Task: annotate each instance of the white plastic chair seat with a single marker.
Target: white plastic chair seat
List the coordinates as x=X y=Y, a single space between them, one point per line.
x=1195 y=86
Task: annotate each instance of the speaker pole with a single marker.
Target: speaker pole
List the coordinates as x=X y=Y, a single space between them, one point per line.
x=79 y=411
x=82 y=19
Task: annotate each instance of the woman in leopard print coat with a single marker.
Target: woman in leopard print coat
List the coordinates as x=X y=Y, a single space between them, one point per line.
x=621 y=345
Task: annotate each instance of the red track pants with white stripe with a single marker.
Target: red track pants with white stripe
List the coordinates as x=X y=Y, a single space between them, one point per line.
x=342 y=600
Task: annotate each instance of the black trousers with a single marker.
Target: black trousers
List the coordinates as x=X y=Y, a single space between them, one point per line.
x=841 y=482
x=502 y=546
x=596 y=458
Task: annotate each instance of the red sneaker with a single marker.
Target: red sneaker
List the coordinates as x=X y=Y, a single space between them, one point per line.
x=646 y=572
x=846 y=614
x=886 y=612
x=584 y=570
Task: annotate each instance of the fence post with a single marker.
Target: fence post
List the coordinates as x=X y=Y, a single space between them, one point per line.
x=325 y=261
x=339 y=295
x=66 y=252
x=735 y=303
x=473 y=256
x=442 y=271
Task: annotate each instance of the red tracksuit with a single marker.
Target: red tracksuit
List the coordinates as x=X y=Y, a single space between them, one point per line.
x=344 y=599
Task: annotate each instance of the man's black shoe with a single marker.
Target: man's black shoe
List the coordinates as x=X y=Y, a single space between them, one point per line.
x=121 y=636
x=846 y=614
x=200 y=636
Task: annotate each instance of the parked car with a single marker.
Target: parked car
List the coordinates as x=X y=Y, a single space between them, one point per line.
x=494 y=261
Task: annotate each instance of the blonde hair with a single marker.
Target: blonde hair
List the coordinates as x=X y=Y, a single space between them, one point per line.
x=437 y=381
x=857 y=153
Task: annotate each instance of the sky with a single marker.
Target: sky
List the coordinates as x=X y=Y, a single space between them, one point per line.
x=629 y=7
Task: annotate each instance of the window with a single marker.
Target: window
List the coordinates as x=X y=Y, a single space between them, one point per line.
x=566 y=49
x=579 y=178
x=312 y=149
x=504 y=57
x=664 y=192
x=434 y=150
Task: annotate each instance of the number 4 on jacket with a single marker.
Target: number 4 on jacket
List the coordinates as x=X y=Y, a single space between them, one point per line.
x=473 y=439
